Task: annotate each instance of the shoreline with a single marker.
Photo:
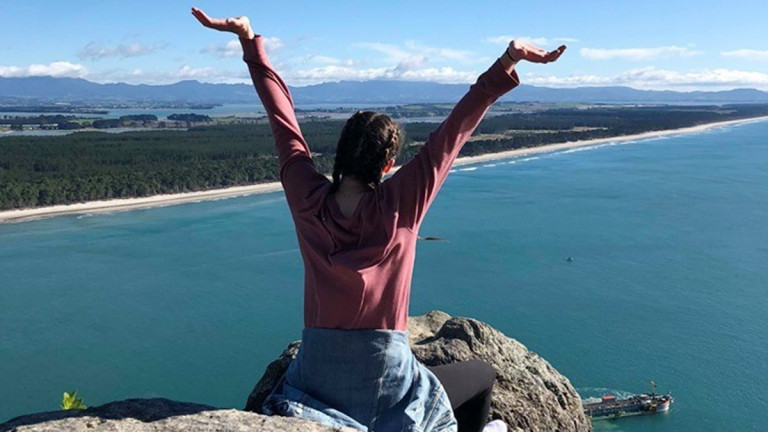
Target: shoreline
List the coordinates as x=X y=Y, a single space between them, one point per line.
x=127 y=204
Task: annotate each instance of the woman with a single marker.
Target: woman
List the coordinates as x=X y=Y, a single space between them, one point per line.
x=357 y=237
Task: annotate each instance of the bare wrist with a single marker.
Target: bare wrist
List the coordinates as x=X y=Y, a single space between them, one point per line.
x=506 y=52
x=508 y=61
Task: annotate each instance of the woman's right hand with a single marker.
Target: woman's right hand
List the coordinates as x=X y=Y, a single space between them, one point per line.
x=240 y=26
x=521 y=50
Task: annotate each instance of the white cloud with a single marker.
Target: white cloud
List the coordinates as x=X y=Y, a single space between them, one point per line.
x=441 y=75
x=641 y=78
x=335 y=73
x=409 y=61
x=272 y=44
x=749 y=54
x=96 y=50
x=322 y=59
x=206 y=74
x=341 y=73
x=441 y=53
x=154 y=77
x=230 y=49
x=412 y=51
x=637 y=53
x=394 y=52
x=233 y=49
x=317 y=58
x=54 y=69
x=498 y=40
x=540 y=41
x=660 y=79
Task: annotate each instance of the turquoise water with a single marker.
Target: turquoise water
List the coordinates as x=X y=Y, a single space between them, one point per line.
x=669 y=281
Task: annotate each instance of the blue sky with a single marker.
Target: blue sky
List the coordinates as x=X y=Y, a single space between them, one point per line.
x=677 y=45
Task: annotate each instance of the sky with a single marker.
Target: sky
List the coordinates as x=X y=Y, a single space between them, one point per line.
x=674 y=44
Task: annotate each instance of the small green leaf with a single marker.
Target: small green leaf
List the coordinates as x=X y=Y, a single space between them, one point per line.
x=70 y=401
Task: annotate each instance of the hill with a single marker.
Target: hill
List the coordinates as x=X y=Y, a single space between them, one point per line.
x=32 y=90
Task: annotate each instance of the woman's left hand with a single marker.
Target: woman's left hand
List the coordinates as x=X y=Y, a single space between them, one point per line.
x=240 y=26
x=522 y=50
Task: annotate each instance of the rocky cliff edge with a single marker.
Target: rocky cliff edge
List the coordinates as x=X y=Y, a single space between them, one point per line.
x=529 y=394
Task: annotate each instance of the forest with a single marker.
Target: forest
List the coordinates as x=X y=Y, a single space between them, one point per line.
x=38 y=171
x=72 y=122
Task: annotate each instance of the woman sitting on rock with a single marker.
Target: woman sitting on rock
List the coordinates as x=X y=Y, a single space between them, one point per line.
x=357 y=236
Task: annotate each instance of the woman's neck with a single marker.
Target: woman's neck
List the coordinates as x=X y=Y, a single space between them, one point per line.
x=352 y=186
x=349 y=194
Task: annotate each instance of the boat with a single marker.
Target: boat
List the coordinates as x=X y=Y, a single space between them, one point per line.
x=611 y=407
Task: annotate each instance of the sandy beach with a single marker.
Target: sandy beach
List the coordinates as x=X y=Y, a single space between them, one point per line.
x=172 y=199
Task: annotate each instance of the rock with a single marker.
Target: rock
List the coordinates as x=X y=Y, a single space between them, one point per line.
x=529 y=394
x=150 y=415
x=268 y=381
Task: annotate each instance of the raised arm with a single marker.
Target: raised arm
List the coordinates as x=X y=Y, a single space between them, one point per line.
x=414 y=186
x=298 y=175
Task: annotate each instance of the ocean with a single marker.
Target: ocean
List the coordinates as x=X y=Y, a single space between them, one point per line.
x=668 y=280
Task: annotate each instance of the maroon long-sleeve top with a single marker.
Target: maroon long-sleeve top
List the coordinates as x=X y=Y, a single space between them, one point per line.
x=358 y=269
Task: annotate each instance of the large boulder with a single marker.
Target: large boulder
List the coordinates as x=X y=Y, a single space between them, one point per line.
x=156 y=415
x=529 y=394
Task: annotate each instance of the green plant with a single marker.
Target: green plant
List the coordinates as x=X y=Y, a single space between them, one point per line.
x=72 y=402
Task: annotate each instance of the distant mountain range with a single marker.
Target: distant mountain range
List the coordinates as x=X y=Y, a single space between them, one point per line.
x=74 y=90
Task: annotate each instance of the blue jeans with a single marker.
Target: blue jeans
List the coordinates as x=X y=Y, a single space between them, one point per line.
x=365 y=379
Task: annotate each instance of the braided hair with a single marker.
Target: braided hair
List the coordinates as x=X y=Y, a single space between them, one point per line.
x=368 y=142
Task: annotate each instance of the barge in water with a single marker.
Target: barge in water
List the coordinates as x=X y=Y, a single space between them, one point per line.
x=611 y=407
